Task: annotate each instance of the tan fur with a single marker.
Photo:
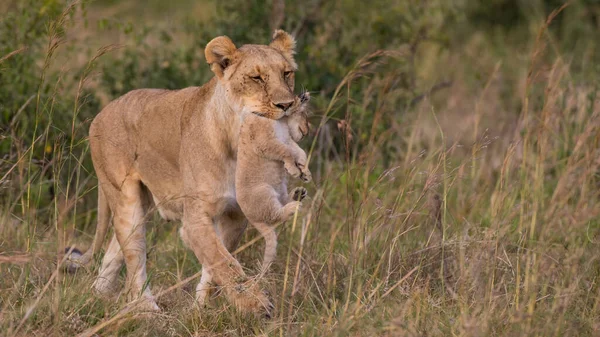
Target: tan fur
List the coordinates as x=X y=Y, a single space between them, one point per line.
x=267 y=150
x=176 y=151
x=285 y=43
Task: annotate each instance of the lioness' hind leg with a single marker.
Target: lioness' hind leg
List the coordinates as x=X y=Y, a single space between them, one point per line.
x=106 y=282
x=129 y=211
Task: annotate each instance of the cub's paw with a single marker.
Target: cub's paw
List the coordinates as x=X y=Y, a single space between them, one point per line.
x=290 y=209
x=305 y=175
x=298 y=193
x=292 y=170
x=304 y=97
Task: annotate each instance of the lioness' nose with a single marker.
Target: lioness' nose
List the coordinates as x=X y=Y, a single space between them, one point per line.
x=284 y=105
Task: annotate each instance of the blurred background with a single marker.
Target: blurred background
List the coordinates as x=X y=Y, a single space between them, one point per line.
x=454 y=149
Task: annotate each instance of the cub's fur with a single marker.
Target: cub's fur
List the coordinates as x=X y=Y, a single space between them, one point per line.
x=267 y=150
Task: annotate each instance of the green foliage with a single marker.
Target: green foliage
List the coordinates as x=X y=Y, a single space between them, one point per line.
x=24 y=30
x=413 y=100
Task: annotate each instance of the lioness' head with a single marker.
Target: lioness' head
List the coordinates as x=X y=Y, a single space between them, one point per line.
x=298 y=117
x=258 y=78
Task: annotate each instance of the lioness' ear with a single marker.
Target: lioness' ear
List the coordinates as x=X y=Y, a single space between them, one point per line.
x=285 y=43
x=219 y=53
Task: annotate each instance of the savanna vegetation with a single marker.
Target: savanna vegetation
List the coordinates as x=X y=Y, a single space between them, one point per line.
x=455 y=151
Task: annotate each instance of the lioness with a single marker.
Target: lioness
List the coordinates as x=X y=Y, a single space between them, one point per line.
x=177 y=150
x=267 y=150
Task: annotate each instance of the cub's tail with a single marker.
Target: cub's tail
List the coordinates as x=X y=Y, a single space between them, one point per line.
x=268 y=233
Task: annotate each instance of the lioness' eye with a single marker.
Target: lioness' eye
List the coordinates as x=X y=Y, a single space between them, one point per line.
x=257 y=79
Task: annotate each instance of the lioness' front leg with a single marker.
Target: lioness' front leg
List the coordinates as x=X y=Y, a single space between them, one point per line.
x=199 y=234
x=231 y=225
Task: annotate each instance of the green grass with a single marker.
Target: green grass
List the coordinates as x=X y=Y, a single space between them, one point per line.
x=469 y=209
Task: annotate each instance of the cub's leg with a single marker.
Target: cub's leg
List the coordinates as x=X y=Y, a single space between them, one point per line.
x=273 y=149
x=288 y=210
x=106 y=282
x=270 y=212
x=301 y=160
x=128 y=219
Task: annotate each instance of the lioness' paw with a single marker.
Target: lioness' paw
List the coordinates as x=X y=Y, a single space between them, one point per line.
x=248 y=297
x=203 y=293
x=146 y=304
x=292 y=170
x=105 y=287
x=299 y=193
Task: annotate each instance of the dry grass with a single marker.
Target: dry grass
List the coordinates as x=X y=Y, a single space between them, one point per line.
x=481 y=222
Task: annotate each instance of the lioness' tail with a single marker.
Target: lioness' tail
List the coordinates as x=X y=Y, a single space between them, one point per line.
x=75 y=261
x=268 y=233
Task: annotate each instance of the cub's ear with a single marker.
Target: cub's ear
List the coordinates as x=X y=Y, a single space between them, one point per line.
x=285 y=43
x=219 y=54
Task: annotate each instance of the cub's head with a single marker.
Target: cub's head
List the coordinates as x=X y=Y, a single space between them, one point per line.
x=298 y=117
x=257 y=78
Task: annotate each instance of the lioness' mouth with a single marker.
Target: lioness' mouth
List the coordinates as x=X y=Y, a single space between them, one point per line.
x=270 y=114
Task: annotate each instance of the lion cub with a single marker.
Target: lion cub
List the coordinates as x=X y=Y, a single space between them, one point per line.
x=267 y=149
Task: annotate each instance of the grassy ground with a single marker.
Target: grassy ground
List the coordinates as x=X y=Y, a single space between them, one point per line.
x=456 y=189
